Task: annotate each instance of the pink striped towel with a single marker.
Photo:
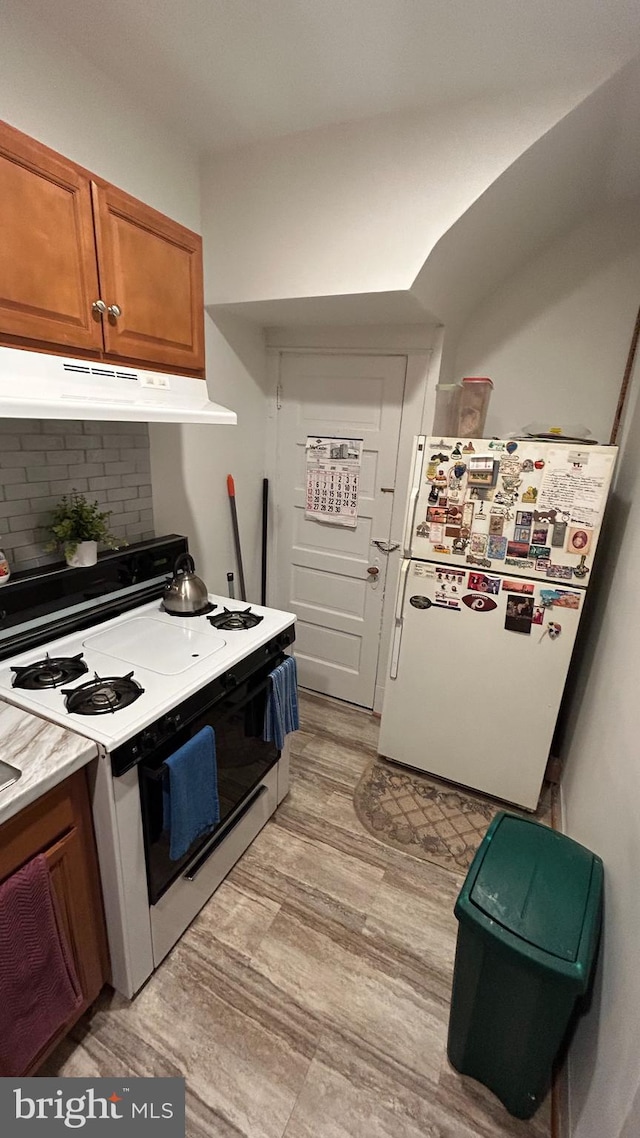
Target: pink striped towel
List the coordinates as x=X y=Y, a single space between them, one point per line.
x=39 y=987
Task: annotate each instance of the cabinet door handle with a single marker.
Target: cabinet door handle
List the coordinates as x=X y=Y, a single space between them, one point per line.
x=99 y=306
x=114 y=310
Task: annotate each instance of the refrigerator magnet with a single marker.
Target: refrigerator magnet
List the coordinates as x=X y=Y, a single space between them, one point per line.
x=483 y=473
x=496 y=524
x=518 y=549
x=497 y=547
x=522 y=533
x=436 y=532
x=518 y=587
x=419 y=602
x=540 y=552
x=538 y=614
x=527 y=466
x=530 y=494
x=565 y=599
x=539 y=535
x=579 y=540
x=561 y=571
x=580 y=569
x=524 y=518
x=552 y=630
x=422 y=530
x=511 y=447
x=511 y=483
x=480 y=583
x=519 y=613
x=510 y=466
x=479 y=544
x=477 y=602
x=558 y=534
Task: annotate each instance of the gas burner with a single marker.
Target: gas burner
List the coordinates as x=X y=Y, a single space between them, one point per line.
x=234 y=620
x=102 y=695
x=209 y=607
x=49 y=673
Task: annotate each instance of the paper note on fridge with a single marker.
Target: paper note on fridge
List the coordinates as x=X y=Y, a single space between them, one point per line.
x=575 y=484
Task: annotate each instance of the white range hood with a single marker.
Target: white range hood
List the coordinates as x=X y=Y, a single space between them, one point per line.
x=38 y=386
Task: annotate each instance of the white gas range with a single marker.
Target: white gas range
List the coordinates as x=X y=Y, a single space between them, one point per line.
x=140 y=685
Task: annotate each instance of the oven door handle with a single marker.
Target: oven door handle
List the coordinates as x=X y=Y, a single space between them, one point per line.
x=200 y=862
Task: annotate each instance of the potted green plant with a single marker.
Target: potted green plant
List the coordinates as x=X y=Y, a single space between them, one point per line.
x=77 y=527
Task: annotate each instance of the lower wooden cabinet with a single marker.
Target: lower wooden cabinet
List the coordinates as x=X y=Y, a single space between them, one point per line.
x=59 y=825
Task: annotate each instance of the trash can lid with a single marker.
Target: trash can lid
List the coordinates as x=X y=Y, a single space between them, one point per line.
x=536 y=883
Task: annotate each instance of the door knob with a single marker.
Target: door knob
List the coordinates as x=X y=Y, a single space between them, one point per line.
x=373 y=570
x=99 y=306
x=114 y=310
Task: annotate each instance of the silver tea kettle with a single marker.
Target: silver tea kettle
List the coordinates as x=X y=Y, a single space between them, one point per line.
x=186 y=594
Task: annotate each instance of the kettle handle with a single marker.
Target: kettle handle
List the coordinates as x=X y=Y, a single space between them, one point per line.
x=184 y=558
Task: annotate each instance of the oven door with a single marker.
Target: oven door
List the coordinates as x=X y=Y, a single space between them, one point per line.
x=243 y=758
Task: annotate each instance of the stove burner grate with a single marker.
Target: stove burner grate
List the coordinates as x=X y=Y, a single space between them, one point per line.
x=49 y=673
x=209 y=607
x=234 y=620
x=102 y=695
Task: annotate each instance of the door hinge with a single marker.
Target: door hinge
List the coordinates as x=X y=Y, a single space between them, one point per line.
x=279 y=397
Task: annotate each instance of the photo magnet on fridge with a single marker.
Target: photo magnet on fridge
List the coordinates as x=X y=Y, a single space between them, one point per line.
x=522 y=533
x=539 y=536
x=524 y=518
x=518 y=549
x=518 y=587
x=519 y=614
x=496 y=524
x=497 y=547
x=483 y=584
x=579 y=540
x=540 y=552
x=558 y=534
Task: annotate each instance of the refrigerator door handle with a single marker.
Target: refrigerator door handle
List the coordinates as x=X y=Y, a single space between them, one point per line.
x=397 y=632
x=414 y=490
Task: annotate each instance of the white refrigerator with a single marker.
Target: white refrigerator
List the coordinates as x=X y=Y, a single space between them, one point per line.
x=499 y=542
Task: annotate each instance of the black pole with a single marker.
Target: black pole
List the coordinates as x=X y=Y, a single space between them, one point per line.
x=265 y=519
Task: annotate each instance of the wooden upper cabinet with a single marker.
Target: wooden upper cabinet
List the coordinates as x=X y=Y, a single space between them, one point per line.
x=151 y=280
x=86 y=267
x=48 y=272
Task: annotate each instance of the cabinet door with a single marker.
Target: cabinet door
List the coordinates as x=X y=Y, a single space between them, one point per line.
x=151 y=269
x=48 y=270
x=80 y=916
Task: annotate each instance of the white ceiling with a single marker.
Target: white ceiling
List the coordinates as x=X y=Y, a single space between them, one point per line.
x=229 y=72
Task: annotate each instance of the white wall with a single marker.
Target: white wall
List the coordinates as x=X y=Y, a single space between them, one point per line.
x=554 y=336
x=190 y=464
x=357 y=208
x=51 y=92
x=601 y=802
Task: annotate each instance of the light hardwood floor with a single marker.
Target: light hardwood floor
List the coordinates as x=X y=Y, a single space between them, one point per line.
x=310 y=997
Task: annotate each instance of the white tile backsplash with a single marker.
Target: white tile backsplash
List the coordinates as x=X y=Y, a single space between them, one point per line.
x=40 y=460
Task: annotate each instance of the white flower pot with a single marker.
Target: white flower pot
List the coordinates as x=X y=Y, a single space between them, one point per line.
x=85 y=554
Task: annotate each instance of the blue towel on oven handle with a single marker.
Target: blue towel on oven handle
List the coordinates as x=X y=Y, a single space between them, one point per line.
x=281 y=710
x=190 y=802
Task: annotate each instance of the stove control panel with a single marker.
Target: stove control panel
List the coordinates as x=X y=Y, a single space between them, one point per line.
x=153 y=739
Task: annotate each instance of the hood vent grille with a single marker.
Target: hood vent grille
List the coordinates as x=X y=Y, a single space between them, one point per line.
x=101 y=372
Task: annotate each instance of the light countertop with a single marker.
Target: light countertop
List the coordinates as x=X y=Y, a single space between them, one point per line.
x=44 y=752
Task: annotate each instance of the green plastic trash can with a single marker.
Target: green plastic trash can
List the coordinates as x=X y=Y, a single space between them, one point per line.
x=529 y=918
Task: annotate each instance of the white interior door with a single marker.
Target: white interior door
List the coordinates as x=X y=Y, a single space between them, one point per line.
x=321 y=567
